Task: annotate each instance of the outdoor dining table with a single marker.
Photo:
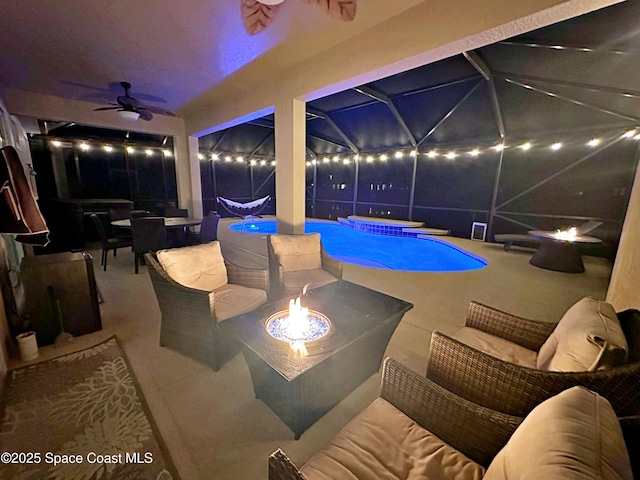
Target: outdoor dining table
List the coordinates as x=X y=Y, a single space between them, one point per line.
x=176 y=228
x=169 y=222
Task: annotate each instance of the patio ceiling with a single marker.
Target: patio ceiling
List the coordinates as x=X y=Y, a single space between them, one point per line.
x=578 y=74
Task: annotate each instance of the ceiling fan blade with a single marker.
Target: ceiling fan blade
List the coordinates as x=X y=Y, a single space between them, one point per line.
x=145 y=114
x=107 y=108
x=158 y=110
x=344 y=10
x=127 y=100
x=257 y=16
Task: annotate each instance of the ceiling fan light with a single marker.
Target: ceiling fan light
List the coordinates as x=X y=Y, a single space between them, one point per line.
x=128 y=115
x=270 y=2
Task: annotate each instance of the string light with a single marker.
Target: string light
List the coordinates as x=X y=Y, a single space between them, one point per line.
x=273 y=163
x=56 y=143
x=167 y=152
x=240 y=159
x=108 y=148
x=215 y=157
x=149 y=152
x=85 y=147
x=435 y=153
x=131 y=150
x=200 y=156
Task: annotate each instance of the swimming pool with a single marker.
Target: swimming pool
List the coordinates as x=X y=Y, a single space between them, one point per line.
x=380 y=251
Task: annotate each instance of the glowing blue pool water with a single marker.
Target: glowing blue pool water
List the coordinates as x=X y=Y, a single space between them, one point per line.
x=380 y=251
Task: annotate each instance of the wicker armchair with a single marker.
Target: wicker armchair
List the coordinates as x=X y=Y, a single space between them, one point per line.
x=189 y=321
x=515 y=389
x=475 y=431
x=299 y=260
x=507 y=446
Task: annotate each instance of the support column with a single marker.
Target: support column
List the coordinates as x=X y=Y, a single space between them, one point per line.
x=623 y=286
x=188 y=174
x=290 y=133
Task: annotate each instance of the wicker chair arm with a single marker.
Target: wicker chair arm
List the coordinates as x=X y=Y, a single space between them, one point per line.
x=248 y=277
x=281 y=468
x=477 y=432
x=330 y=264
x=530 y=334
x=516 y=390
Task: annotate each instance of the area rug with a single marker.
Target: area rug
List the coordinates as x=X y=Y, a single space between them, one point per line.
x=81 y=416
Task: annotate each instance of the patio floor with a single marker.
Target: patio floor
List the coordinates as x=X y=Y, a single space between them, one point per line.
x=211 y=422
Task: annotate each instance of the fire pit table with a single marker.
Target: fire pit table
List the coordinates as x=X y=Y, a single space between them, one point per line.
x=301 y=387
x=559 y=253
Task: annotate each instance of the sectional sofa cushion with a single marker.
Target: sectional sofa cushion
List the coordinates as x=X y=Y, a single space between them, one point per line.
x=382 y=443
x=497 y=347
x=231 y=300
x=298 y=252
x=200 y=266
x=587 y=338
x=295 y=281
x=572 y=436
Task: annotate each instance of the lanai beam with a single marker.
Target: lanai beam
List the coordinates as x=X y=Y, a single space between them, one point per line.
x=370 y=92
x=332 y=124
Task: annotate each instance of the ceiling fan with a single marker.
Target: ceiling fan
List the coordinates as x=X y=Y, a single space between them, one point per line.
x=131 y=109
x=258 y=14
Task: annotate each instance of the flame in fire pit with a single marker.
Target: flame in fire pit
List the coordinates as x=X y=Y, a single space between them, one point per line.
x=568 y=235
x=297 y=326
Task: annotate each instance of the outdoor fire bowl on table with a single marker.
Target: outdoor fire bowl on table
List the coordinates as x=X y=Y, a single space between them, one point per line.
x=298 y=326
x=349 y=327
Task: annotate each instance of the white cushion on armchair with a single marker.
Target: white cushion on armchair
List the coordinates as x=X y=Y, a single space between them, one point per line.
x=588 y=337
x=200 y=266
x=572 y=436
x=297 y=252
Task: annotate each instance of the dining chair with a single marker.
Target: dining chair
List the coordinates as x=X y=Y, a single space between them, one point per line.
x=208 y=230
x=120 y=214
x=149 y=235
x=108 y=243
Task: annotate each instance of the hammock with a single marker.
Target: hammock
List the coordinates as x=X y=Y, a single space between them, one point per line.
x=244 y=210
